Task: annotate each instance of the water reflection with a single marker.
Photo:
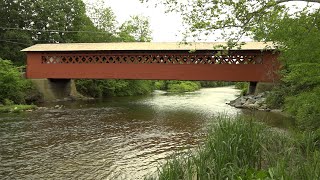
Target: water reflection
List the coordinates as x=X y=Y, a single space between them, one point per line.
x=117 y=138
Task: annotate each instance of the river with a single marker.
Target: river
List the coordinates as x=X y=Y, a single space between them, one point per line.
x=114 y=138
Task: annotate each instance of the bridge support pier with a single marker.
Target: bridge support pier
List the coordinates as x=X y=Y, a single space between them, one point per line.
x=56 y=89
x=252 y=87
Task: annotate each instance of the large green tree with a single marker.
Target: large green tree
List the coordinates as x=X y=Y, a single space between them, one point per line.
x=102 y=16
x=25 y=22
x=137 y=28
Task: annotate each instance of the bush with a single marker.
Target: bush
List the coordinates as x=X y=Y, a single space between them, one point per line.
x=240 y=148
x=12 y=86
x=160 y=85
x=106 y=88
x=215 y=83
x=275 y=98
x=299 y=94
x=182 y=86
x=302 y=77
x=243 y=86
x=306 y=108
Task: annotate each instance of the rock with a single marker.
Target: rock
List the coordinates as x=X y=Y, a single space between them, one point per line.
x=238 y=106
x=256 y=102
x=236 y=103
x=250 y=101
x=243 y=100
x=261 y=95
x=42 y=108
x=56 y=106
x=276 y=111
x=231 y=102
x=263 y=106
x=252 y=106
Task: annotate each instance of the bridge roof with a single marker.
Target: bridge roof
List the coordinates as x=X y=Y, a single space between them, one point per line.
x=139 y=46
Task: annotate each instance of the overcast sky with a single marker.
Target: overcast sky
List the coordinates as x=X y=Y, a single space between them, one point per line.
x=165 y=27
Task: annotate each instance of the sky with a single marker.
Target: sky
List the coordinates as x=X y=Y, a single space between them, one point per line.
x=165 y=27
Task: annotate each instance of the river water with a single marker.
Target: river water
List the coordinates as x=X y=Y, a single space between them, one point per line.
x=115 y=138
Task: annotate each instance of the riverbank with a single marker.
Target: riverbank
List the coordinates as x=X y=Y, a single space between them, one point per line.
x=256 y=102
x=242 y=148
x=253 y=102
x=17 y=108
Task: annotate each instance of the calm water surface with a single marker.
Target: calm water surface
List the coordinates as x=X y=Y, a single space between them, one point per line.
x=117 y=138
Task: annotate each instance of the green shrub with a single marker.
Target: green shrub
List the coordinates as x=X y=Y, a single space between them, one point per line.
x=89 y=88
x=240 y=148
x=12 y=86
x=135 y=87
x=8 y=102
x=302 y=77
x=305 y=107
x=215 y=83
x=183 y=86
x=160 y=85
x=275 y=98
x=243 y=86
x=106 y=88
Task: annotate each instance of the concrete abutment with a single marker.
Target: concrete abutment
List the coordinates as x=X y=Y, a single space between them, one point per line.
x=56 y=89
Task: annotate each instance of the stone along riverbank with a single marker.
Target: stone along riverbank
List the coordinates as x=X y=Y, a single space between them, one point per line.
x=254 y=102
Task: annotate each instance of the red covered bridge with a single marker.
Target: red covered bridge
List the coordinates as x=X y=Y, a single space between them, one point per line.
x=255 y=61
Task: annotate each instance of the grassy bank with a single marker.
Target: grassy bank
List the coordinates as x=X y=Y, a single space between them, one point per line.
x=241 y=148
x=16 y=108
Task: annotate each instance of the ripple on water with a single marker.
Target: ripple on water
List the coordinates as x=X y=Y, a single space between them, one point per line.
x=121 y=139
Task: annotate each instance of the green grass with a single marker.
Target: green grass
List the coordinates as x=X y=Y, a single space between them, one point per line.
x=241 y=148
x=16 y=108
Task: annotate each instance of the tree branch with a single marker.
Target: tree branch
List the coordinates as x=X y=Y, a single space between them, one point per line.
x=284 y=1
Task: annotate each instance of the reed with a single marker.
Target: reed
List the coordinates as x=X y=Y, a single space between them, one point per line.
x=242 y=148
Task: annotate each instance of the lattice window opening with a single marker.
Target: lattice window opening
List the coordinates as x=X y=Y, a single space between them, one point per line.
x=150 y=59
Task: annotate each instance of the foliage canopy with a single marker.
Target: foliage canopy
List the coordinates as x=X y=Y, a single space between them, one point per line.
x=28 y=22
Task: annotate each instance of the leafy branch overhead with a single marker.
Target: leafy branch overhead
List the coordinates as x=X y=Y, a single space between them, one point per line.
x=136 y=29
x=231 y=19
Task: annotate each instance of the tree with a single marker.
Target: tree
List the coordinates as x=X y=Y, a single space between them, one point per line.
x=26 y=22
x=13 y=88
x=102 y=16
x=296 y=33
x=136 y=29
x=13 y=40
x=231 y=19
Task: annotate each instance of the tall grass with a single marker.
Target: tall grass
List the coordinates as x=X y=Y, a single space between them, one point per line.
x=241 y=148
